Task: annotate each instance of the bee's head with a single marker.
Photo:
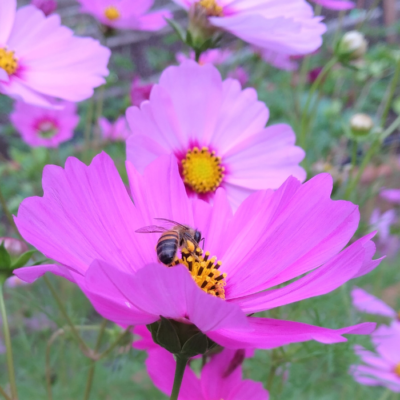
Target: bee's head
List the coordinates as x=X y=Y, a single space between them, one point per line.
x=197 y=236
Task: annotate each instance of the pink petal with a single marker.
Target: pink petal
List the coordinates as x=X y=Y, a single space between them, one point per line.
x=248 y=389
x=154 y=21
x=367 y=303
x=7 y=16
x=374 y=377
x=270 y=333
x=386 y=339
x=336 y=4
x=30 y=274
x=392 y=195
x=373 y=359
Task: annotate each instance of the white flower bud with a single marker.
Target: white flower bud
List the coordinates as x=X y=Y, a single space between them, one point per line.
x=361 y=124
x=352 y=46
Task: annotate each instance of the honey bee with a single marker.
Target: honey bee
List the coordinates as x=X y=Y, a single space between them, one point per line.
x=172 y=238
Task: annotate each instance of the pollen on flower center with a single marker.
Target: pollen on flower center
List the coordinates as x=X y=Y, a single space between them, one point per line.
x=112 y=13
x=397 y=369
x=202 y=170
x=204 y=271
x=212 y=8
x=8 y=61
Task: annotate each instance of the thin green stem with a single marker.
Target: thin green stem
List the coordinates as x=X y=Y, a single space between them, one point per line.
x=179 y=371
x=50 y=342
x=393 y=86
x=92 y=370
x=354 y=149
x=65 y=315
x=305 y=117
x=4 y=394
x=394 y=125
x=360 y=25
x=115 y=344
x=7 y=341
x=8 y=214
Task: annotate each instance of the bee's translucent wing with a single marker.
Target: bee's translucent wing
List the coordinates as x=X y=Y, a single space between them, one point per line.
x=151 y=229
x=172 y=223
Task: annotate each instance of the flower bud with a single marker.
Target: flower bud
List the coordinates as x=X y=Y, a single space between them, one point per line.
x=47 y=6
x=361 y=124
x=352 y=46
x=15 y=247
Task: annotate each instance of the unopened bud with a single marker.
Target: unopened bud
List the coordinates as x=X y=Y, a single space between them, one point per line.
x=361 y=124
x=15 y=247
x=352 y=46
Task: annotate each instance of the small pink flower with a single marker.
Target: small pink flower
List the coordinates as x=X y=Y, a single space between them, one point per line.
x=216 y=131
x=380 y=368
x=118 y=131
x=365 y=302
x=213 y=56
x=288 y=27
x=215 y=382
x=47 y=6
x=39 y=57
x=392 y=195
x=278 y=60
x=314 y=74
x=240 y=74
x=14 y=247
x=87 y=222
x=335 y=4
x=126 y=14
x=46 y=127
x=139 y=91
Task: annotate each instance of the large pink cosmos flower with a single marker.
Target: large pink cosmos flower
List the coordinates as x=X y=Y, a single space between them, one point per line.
x=335 y=4
x=40 y=58
x=87 y=222
x=365 y=302
x=218 y=380
x=287 y=27
x=117 y=131
x=383 y=367
x=126 y=14
x=216 y=131
x=40 y=126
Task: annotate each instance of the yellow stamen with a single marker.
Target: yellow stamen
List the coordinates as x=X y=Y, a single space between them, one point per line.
x=212 y=8
x=204 y=271
x=112 y=13
x=202 y=170
x=8 y=61
x=397 y=369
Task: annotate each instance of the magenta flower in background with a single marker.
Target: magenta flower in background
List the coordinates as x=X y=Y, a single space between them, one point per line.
x=335 y=4
x=46 y=127
x=213 y=56
x=47 y=6
x=117 y=131
x=240 y=74
x=216 y=131
x=278 y=60
x=87 y=222
x=39 y=57
x=218 y=380
x=365 y=302
x=314 y=74
x=140 y=91
x=391 y=195
x=383 y=367
x=287 y=27
x=126 y=14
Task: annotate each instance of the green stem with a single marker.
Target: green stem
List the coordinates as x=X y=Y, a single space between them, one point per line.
x=7 y=341
x=386 y=394
x=114 y=345
x=4 y=394
x=393 y=85
x=65 y=315
x=89 y=382
x=50 y=342
x=313 y=89
x=179 y=371
x=8 y=214
x=354 y=154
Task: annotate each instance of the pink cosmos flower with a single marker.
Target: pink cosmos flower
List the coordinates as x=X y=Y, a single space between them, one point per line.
x=287 y=27
x=125 y=14
x=213 y=56
x=365 y=302
x=117 y=131
x=391 y=195
x=216 y=131
x=335 y=4
x=383 y=367
x=87 y=222
x=216 y=381
x=139 y=91
x=46 y=127
x=278 y=60
x=387 y=243
x=39 y=57
x=47 y=6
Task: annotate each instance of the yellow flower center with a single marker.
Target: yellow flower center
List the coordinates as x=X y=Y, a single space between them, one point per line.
x=397 y=369
x=112 y=13
x=204 y=271
x=212 y=8
x=202 y=170
x=8 y=61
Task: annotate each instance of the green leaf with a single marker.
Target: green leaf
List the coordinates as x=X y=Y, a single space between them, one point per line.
x=177 y=28
x=5 y=259
x=22 y=259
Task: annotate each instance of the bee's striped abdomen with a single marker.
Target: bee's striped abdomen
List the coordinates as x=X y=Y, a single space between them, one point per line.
x=167 y=246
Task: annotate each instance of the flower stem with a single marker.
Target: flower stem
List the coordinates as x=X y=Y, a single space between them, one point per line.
x=179 y=371
x=4 y=394
x=7 y=341
x=393 y=85
x=8 y=214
